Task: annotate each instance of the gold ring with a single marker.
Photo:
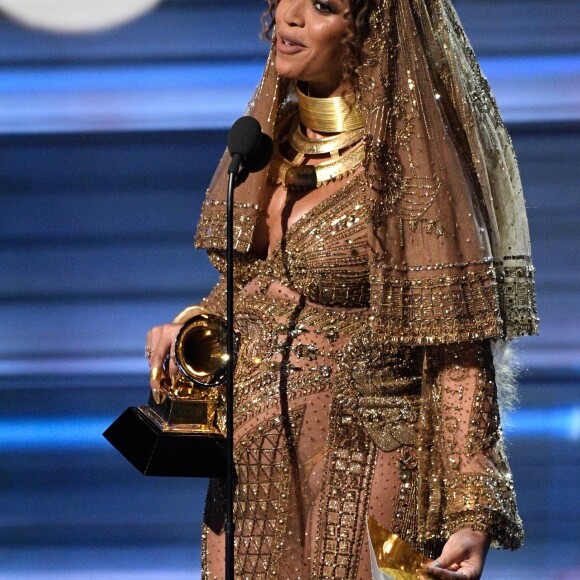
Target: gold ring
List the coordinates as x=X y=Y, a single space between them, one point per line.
x=156 y=374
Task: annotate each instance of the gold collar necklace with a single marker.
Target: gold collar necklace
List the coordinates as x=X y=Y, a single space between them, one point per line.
x=343 y=147
x=346 y=152
x=330 y=115
x=306 y=177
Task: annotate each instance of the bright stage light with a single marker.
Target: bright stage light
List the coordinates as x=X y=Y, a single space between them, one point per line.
x=75 y=16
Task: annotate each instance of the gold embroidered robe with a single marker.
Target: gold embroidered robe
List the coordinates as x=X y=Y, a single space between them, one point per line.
x=332 y=423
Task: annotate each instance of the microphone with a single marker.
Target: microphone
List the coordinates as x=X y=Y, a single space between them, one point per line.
x=263 y=155
x=243 y=141
x=251 y=150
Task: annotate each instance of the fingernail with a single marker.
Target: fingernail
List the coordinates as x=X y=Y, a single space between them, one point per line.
x=155 y=393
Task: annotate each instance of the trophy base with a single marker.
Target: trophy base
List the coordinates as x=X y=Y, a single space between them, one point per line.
x=154 y=450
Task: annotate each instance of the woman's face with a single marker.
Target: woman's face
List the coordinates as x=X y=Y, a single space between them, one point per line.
x=309 y=43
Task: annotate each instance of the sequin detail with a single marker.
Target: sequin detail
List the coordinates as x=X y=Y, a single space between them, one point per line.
x=263 y=468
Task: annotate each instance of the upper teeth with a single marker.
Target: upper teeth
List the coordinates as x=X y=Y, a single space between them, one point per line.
x=288 y=43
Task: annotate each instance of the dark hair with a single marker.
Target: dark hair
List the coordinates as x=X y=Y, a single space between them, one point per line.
x=357 y=32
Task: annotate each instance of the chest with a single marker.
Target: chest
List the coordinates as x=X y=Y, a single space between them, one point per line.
x=286 y=208
x=321 y=250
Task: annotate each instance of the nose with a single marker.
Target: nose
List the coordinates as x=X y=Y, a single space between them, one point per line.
x=292 y=12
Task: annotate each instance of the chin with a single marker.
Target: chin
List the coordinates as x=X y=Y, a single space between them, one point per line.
x=285 y=69
x=282 y=70
x=286 y=74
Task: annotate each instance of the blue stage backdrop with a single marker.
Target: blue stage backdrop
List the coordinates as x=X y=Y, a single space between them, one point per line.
x=107 y=143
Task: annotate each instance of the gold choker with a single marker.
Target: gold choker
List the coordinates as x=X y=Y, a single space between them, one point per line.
x=330 y=115
x=307 y=177
x=344 y=153
x=331 y=144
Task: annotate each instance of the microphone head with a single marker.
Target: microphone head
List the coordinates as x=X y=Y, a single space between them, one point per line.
x=244 y=137
x=258 y=161
x=263 y=155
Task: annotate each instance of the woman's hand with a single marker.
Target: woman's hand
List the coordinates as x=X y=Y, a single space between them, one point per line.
x=159 y=348
x=463 y=557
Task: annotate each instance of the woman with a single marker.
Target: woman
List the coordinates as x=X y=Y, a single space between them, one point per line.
x=379 y=257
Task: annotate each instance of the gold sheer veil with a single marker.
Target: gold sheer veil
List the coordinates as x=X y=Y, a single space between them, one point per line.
x=449 y=249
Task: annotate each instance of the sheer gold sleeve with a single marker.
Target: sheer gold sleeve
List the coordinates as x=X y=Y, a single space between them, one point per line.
x=464 y=477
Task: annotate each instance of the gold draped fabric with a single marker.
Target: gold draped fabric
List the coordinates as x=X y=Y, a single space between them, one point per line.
x=332 y=422
x=449 y=258
x=450 y=251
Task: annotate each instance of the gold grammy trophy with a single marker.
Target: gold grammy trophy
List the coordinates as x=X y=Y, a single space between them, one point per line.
x=179 y=435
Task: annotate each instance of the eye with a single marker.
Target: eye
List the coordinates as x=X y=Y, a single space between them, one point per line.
x=324 y=7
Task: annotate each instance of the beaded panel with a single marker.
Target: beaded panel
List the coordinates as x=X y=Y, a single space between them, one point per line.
x=464 y=476
x=347 y=483
x=437 y=307
x=264 y=474
x=211 y=229
x=324 y=255
x=518 y=296
x=405 y=520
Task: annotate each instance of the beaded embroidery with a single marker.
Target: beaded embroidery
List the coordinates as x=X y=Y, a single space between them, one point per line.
x=356 y=401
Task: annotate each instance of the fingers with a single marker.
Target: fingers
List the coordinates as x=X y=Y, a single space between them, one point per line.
x=462 y=558
x=438 y=569
x=172 y=363
x=448 y=574
x=173 y=370
x=156 y=367
x=155 y=377
x=159 y=348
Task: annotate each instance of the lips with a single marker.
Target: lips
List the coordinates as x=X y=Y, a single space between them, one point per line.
x=288 y=44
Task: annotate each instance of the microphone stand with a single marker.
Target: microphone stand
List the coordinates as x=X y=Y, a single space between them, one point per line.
x=245 y=135
x=230 y=470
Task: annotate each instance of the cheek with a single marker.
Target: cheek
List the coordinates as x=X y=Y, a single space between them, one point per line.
x=331 y=46
x=278 y=16
x=330 y=37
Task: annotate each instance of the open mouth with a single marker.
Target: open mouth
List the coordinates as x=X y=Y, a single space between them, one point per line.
x=289 y=42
